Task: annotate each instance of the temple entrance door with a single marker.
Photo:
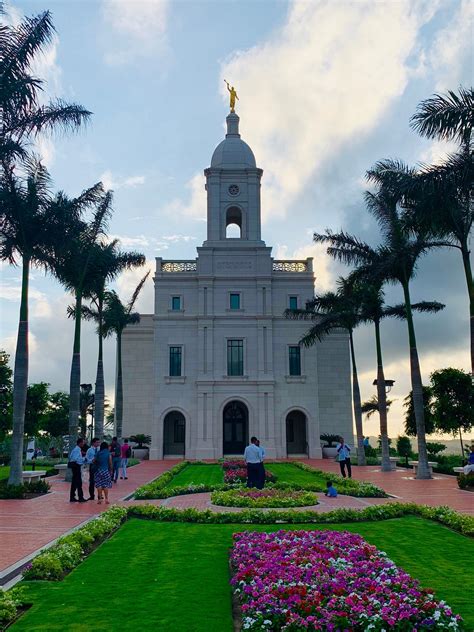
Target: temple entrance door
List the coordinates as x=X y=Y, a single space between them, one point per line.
x=296 y=440
x=236 y=421
x=174 y=434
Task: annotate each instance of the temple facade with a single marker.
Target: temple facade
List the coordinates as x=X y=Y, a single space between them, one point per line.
x=218 y=361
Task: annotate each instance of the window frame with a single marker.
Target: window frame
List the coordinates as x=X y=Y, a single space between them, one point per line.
x=290 y=364
x=180 y=299
x=181 y=358
x=229 y=361
x=239 y=295
x=296 y=298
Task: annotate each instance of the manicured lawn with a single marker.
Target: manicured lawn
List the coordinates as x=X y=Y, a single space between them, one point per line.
x=289 y=473
x=4 y=472
x=174 y=576
x=198 y=474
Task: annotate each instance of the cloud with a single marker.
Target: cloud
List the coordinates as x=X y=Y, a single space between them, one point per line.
x=116 y=182
x=129 y=280
x=195 y=207
x=141 y=26
x=157 y=244
x=453 y=46
x=326 y=78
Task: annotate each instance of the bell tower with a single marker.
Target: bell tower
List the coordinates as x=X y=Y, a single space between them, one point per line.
x=233 y=192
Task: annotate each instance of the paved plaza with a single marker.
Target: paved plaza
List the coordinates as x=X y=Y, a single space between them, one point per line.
x=28 y=525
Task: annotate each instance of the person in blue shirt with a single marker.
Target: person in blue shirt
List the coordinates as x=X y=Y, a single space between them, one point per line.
x=90 y=456
x=331 y=491
x=76 y=461
x=252 y=460
x=344 y=457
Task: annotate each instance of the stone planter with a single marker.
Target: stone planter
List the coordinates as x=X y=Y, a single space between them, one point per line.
x=329 y=453
x=141 y=453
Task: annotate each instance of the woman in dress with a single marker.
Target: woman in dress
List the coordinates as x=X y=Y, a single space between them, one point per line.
x=103 y=473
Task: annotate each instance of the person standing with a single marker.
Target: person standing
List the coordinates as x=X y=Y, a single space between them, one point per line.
x=261 y=471
x=90 y=459
x=126 y=453
x=344 y=457
x=76 y=461
x=252 y=459
x=103 y=473
x=116 y=457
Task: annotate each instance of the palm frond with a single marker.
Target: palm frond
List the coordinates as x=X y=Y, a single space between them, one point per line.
x=446 y=116
x=137 y=291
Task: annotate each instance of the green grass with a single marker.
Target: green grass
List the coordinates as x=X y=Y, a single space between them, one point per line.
x=5 y=471
x=198 y=474
x=289 y=473
x=175 y=576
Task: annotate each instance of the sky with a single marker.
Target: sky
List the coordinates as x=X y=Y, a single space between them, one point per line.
x=326 y=88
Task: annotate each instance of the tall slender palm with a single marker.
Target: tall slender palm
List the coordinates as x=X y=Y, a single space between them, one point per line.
x=394 y=261
x=329 y=312
x=117 y=316
x=75 y=270
x=108 y=263
x=374 y=310
x=21 y=113
x=33 y=222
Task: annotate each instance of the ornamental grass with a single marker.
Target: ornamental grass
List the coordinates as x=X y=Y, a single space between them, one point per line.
x=322 y=580
x=261 y=498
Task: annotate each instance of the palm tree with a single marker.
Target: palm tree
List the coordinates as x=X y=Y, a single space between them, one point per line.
x=371 y=406
x=395 y=260
x=21 y=115
x=33 y=223
x=75 y=270
x=86 y=405
x=374 y=310
x=332 y=311
x=108 y=263
x=117 y=316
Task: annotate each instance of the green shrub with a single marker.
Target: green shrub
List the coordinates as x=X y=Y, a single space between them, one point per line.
x=150 y=490
x=330 y=439
x=270 y=497
x=69 y=550
x=10 y=601
x=466 y=481
x=347 y=486
x=18 y=491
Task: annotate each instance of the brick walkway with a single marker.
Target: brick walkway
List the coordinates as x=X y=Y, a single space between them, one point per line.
x=27 y=525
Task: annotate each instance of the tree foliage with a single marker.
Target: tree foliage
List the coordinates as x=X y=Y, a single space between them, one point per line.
x=410 y=421
x=453 y=400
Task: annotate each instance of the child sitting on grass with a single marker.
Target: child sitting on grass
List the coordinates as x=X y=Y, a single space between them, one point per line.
x=331 y=491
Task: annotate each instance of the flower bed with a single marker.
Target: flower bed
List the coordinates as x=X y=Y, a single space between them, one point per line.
x=239 y=476
x=258 y=498
x=234 y=464
x=323 y=580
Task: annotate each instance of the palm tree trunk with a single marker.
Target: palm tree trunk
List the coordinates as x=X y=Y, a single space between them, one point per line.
x=75 y=378
x=99 y=383
x=417 y=389
x=119 y=390
x=357 y=406
x=470 y=288
x=382 y=402
x=20 y=382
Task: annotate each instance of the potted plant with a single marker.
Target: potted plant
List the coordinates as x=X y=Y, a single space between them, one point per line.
x=141 y=450
x=329 y=449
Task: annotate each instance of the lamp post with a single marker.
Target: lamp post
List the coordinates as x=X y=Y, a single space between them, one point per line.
x=388 y=384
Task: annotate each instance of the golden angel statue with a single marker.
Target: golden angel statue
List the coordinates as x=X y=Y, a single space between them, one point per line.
x=233 y=96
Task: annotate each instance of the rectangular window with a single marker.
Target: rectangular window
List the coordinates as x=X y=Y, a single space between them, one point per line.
x=295 y=360
x=175 y=361
x=176 y=303
x=235 y=301
x=235 y=357
x=293 y=302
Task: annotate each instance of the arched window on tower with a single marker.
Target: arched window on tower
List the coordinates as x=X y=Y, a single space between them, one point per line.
x=233 y=223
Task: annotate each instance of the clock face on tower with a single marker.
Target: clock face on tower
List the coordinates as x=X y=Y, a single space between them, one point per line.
x=234 y=189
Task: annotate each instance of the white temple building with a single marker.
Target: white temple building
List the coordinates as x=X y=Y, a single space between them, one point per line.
x=218 y=361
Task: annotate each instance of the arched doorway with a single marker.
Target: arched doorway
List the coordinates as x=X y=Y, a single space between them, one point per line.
x=236 y=427
x=296 y=440
x=174 y=434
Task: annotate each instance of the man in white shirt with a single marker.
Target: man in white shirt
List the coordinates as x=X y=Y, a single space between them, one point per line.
x=76 y=461
x=253 y=460
x=90 y=456
x=261 y=470
x=344 y=457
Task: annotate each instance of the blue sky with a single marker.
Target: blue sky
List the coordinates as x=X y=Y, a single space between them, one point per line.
x=326 y=89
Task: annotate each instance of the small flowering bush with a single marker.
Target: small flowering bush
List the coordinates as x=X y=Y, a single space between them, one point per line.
x=239 y=476
x=264 y=498
x=234 y=464
x=325 y=580
x=10 y=601
x=70 y=550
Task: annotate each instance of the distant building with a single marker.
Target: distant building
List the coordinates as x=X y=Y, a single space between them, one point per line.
x=218 y=362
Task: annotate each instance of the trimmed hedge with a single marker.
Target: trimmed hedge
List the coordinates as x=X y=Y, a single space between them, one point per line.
x=261 y=499
x=10 y=601
x=456 y=521
x=466 y=481
x=19 y=491
x=70 y=550
x=345 y=486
